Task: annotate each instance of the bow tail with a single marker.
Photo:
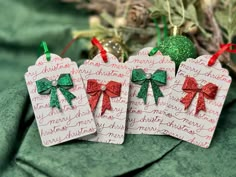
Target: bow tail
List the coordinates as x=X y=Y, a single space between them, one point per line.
x=200 y=103
x=156 y=91
x=93 y=100
x=54 y=102
x=106 y=103
x=68 y=95
x=187 y=100
x=143 y=91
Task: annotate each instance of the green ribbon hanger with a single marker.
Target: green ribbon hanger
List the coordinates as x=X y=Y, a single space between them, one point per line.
x=64 y=82
x=157 y=79
x=155 y=49
x=43 y=46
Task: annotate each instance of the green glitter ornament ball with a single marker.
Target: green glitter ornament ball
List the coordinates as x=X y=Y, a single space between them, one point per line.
x=178 y=47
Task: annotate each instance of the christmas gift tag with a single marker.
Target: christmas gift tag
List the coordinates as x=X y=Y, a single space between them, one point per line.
x=196 y=101
x=107 y=87
x=150 y=87
x=59 y=100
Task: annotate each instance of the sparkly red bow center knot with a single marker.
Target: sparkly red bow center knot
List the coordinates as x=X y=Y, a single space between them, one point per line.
x=94 y=89
x=191 y=88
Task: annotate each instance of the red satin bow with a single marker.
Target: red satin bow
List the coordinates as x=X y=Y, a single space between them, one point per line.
x=94 y=89
x=191 y=88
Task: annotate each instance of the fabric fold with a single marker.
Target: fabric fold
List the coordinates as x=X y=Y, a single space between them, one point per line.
x=14 y=121
x=87 y=159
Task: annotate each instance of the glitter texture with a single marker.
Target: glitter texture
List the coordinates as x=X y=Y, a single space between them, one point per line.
x=45 y=87
x=158 y=78
x=111 y=90
x=179 y=48
x=191 y=87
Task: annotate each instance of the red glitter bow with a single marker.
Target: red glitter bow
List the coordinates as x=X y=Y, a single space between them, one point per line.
x=94 y=89
x=191 y=88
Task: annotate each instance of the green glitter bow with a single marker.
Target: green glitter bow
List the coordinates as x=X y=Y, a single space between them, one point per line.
x=64 y=82
x=157 y=79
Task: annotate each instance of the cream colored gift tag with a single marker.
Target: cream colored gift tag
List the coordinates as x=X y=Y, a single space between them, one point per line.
x=144 y=118
x=52 y=85
x=196 y=101
x=107 y=87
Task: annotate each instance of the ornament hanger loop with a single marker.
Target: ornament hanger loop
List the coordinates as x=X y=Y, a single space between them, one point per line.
x=43 y=45
x=103 y=52
x=223 y=48
x=155 y=49
x=170 y=18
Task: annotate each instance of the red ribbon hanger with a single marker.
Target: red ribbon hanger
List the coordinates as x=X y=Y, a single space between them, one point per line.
x=103 y=52
x=191 y=88
x=94 y=89
x=223 y=48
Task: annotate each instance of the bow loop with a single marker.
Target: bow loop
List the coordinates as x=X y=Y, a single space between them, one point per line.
x=113 y=89
x=94 y=89
x=138 y=76
x=190 y=86
x=43 y=86
x=210 y=90
x=64 y=82
x=157 y=79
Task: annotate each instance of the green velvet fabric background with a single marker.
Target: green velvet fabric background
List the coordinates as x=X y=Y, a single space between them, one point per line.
x=24 y=23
